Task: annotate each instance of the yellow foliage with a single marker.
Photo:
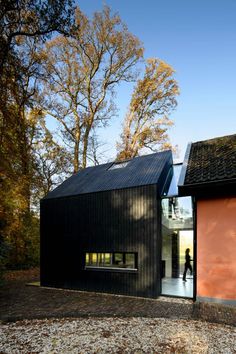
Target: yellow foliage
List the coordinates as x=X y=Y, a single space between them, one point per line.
x=147 y=121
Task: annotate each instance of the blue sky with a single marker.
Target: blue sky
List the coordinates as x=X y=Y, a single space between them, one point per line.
x=198 y=38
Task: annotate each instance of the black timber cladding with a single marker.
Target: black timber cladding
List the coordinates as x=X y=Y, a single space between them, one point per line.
x=211 y=166
x=101 y=210
x=125 y=220
x=140 y=171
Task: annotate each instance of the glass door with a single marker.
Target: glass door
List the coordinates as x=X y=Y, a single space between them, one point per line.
x=185 y=243
x=177 y=246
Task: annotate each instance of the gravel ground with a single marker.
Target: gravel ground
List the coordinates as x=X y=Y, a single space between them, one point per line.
x=116 y=335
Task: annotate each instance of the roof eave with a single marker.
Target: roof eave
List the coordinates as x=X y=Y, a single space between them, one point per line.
x=212 y=188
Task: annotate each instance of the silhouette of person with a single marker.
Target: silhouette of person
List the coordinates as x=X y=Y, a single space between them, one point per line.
x=187 y=264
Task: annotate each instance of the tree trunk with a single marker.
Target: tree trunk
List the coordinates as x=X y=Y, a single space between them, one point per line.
x=85 y=148
x=25 y=158
x=76 y=157
x=76 y=163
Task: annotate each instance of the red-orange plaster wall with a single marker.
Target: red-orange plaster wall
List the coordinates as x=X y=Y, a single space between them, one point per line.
x=216 y=248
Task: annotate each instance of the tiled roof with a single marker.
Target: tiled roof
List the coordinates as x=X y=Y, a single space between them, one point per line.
x=212 y=161
x=140 y=171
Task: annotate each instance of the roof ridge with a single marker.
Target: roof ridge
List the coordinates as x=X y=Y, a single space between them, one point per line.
x=218 y=137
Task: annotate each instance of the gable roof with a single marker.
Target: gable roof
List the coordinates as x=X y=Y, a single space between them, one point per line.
x=140 y=171
x=210 y=166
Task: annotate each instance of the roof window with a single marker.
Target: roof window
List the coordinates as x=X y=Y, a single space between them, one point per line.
x=116 y=165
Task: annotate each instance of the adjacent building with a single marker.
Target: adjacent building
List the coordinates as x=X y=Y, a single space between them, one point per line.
x=209 y=175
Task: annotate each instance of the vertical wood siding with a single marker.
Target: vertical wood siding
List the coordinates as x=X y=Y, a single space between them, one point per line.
x=126 y=220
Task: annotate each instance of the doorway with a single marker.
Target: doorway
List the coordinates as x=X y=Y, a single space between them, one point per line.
x=177 y=236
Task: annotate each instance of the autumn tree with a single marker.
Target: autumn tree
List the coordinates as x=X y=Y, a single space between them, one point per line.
x=98 y=150
x=31 y=18
x=20 y=227
x=16 y=168
x=82 y=73
x=23 y=26
x=23 y=22
x=52 y=165
x=147 y=120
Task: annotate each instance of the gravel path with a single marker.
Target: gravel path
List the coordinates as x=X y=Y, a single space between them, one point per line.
x=116 y=335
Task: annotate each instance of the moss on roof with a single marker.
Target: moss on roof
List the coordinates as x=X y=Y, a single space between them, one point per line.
x=212 y=160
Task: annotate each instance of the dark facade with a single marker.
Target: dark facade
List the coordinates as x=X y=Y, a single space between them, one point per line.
x=110 y=211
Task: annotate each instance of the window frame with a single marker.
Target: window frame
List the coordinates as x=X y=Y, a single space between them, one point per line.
x=118 y=165
x=111 y=266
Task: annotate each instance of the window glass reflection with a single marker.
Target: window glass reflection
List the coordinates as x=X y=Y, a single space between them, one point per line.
x=173 y=188
x=111 y=260
x=177 y=212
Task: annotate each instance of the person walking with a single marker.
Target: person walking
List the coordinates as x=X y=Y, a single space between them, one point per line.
x=187 y=263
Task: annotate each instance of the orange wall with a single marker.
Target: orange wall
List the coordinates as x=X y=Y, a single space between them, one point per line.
x=216 y=248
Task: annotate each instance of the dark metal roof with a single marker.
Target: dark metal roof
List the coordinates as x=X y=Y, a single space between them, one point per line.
x=211 y=163
x=140 y=171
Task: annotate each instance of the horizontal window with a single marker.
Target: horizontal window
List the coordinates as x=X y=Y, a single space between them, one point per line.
x=121 y=260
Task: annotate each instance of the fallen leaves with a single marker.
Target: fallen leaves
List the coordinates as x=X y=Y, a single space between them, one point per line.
x=116 y=335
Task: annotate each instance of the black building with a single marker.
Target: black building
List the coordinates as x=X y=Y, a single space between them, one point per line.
x=101 y=228
x=125 y=228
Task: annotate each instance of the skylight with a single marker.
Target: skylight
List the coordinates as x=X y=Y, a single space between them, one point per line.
x=173 y=188
x=116 y=165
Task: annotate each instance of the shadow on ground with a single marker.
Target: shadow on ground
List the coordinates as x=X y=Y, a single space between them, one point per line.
x=20 y=301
